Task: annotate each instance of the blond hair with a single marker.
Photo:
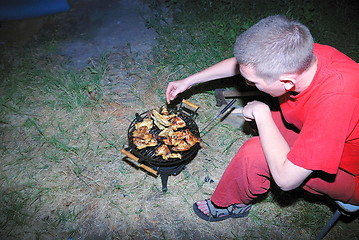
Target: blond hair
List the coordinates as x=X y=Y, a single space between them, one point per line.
x=275 y=46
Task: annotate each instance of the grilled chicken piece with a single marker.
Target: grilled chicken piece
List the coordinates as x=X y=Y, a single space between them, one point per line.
x=170 y=140
x=160 y=120
x=165 y=152
x=166 y=115
x=167 y=132
x=148 y=137
x=182 y=134
x=142 y=137
x=143 y=143
x=179 y=137
x=181 y=145
x=164 y=111
x=146 y=122
x=175 y=155
x=192 y=139
x=179 y=142
x=159 y=125
x=177 y=122
x=140 y=131
x=182 y=148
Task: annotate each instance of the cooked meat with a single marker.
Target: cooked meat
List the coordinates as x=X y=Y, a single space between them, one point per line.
x=142 y=137
x=166 y=115
x=140 y=131
x=169 y=117
x=177 y=122
x=139 y=142
x=143 y=143
x=164 y=111
x=182 y=134
x=181 y=145
x=159 y=119
x=180 y=140
x=158 y=124
x=167 y=132
x=175 y=155
x=146 y=122
x=169 y=141
x=192 y=139
x=148 y=137
x=165 y=152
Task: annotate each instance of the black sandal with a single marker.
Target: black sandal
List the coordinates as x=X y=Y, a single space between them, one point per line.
x=220 y=214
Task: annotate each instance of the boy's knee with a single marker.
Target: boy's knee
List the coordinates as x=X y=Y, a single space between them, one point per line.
x=250 y=152
x=251 y=147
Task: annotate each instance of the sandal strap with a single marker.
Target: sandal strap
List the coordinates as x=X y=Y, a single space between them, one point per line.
x=217 y=212
x=232 y=209
x=240 y=210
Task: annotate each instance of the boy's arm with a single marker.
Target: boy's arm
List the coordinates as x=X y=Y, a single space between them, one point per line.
x=225 y=68
x=286 y=175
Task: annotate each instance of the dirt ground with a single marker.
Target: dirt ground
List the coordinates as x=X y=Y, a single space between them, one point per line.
x=98 y=27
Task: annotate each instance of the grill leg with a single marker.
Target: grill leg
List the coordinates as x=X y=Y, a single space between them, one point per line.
x=164 y=180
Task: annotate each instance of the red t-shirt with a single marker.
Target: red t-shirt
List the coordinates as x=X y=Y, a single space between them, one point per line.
x=327 y=114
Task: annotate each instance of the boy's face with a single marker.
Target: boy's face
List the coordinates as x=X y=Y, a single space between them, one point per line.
x=275 y=89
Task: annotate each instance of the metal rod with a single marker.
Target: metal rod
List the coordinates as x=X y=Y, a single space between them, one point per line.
x=220 y=113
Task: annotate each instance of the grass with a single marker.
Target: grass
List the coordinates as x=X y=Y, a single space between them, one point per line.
x=205 y=31
x=62 y=175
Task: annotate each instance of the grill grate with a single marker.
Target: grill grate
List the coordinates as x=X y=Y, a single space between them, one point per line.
x=148 y=154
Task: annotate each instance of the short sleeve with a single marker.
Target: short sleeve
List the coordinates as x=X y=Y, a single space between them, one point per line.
x=322 y=138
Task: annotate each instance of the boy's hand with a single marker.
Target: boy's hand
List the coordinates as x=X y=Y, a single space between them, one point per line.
x=175 y=88
x=255 y=109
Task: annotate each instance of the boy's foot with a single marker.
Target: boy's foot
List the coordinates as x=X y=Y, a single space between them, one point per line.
x=207 y=211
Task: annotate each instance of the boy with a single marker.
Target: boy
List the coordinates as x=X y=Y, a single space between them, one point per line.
x=318 y=91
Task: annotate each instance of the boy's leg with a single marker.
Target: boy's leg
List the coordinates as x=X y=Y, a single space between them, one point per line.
x=247 y=175
x=343 y=186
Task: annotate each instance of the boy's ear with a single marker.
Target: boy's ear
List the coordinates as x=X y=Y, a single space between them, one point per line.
x=288 y=84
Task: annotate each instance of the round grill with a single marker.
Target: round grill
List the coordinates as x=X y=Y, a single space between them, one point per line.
x=148 y=154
